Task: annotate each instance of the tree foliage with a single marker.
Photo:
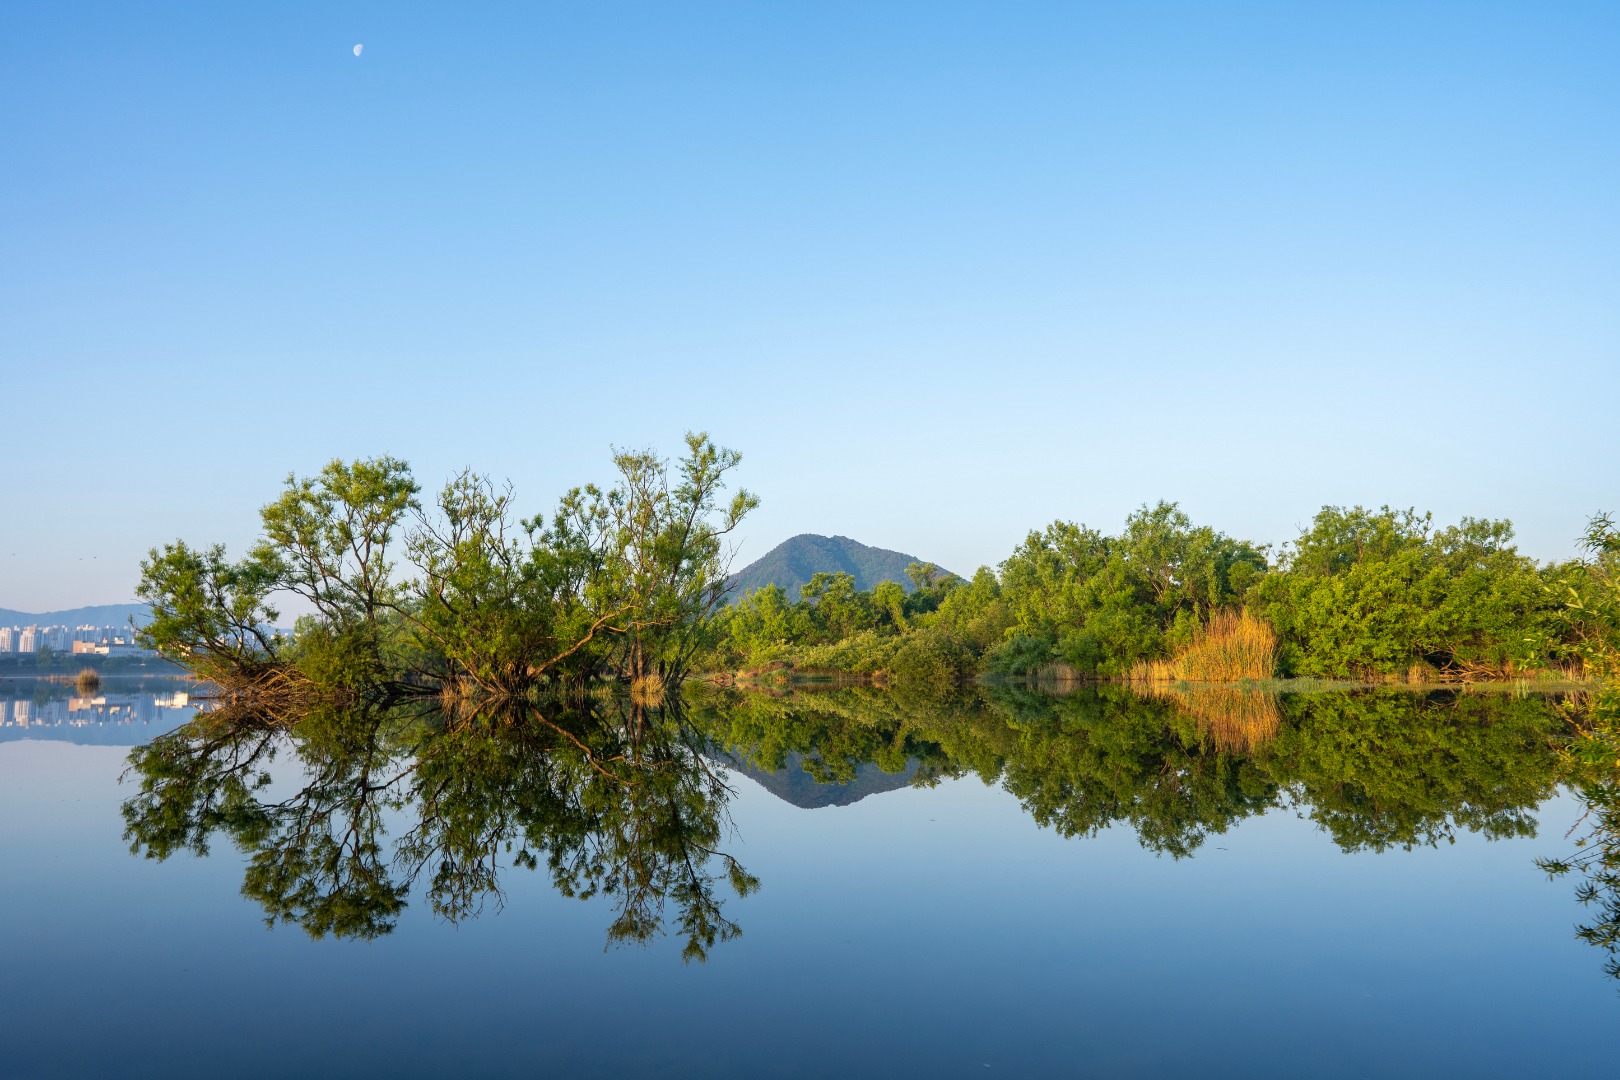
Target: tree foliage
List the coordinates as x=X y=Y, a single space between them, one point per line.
x=622 y=583
x=1375 y=592
x=1359 y=594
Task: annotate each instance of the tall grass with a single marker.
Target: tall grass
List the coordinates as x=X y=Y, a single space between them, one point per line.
x=1233 y=646
x=88 y=680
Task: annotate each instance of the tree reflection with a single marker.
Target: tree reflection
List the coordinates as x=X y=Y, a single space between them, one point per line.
x=1596 y=859
x=1375 y=769
x=614 y=801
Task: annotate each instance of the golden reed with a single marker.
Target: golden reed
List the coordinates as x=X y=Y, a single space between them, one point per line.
x=1233 y=646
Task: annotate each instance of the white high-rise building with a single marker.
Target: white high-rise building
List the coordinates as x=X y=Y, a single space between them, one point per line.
x=28 y=640
x=8 y=639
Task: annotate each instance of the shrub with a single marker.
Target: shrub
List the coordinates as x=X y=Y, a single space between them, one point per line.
x=931 y=657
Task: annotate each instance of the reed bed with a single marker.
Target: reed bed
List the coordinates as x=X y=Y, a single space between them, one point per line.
x=1057 y=671
x=1233 y=646
x=88 y=680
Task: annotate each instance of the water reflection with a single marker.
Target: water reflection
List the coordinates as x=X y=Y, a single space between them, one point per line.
x=1595 y=862
x=1376 y=769
x=610 y=800
x=120 y=710
x=343 y=814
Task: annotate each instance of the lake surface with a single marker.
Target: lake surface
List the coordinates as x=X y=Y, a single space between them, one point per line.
x=1005 y=883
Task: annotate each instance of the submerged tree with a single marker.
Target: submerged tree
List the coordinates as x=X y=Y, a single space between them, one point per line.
x=213 y=615
x=622 y=583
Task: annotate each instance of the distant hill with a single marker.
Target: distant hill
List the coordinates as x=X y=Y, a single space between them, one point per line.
x=96 y=615
x=791 y=564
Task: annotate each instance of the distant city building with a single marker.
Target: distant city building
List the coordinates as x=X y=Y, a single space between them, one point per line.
x=8 y=639
x=28 y=640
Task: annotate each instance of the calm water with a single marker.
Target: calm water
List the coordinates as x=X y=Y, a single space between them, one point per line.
x=1005 y=884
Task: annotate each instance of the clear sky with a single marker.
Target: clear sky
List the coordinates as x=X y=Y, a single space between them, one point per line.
x=943 y=272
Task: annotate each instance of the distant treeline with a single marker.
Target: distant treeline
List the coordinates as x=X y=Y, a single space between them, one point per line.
x=1365 y=594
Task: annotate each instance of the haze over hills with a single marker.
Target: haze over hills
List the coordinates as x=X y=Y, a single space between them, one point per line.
x=94 y=615
x=793 y=562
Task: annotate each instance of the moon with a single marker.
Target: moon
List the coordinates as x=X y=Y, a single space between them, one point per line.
x=357 y=49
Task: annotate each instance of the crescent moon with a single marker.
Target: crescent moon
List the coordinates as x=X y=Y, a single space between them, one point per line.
x=357 y=49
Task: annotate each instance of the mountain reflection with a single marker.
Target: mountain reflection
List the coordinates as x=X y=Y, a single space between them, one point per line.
x=344 y=813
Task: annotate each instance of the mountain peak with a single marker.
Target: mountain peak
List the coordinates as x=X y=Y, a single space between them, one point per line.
x=794 y=561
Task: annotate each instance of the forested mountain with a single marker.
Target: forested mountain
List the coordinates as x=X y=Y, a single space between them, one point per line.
x=793 y=562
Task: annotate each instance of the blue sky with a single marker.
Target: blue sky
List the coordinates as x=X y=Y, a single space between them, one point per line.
x=943 y=272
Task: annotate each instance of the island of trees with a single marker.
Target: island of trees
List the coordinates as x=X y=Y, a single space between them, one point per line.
x=629 y=584
x=466 y=663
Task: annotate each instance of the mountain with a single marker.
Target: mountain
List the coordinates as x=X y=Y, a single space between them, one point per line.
x=791 y=564
x=96 y=615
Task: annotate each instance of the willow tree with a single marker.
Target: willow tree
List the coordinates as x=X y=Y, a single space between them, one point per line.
x=212 y=615
x=622 y=583
x=665 y=560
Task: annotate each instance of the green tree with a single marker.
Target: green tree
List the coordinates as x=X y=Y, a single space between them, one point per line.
x=665 y=558
x=1100 y=604
x=1593 y=599
x=501 y=603
x=622 y=583
x=1374 y=592
x=331 y=534
x=212 y=615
